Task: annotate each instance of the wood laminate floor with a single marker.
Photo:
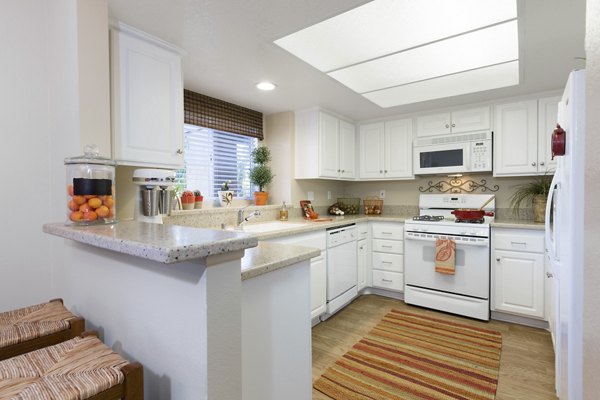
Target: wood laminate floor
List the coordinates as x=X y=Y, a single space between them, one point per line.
x=526 y=363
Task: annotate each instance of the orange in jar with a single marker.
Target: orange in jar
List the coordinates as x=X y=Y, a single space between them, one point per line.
x=102 y=211
x=72 y=205
x=76 y=216
x=94 y=202
x=90 y=216
x=79 y=199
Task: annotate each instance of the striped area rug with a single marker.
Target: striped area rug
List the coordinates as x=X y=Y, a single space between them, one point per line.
x=414 y=356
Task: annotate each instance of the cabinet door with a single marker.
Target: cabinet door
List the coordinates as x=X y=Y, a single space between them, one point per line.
x=318 y=286
x=435 y=124
x=547 y=117
x=329 y=146
x=371 y=150
x=398 y=149
x=515 y=139
x=347 y=150
x=474 y=119
x=147 y=102
x=362 y=261
x=518 y=283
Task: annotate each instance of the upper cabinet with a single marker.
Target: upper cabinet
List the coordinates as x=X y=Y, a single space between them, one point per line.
x=522 y=132
x=386 y=150
x=147 y=99
x=325 y=146
x=473 y=119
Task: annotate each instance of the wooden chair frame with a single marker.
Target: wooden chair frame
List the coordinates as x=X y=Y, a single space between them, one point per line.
x=76 y=327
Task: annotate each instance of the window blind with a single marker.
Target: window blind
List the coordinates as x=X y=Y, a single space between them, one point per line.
x=213 y=157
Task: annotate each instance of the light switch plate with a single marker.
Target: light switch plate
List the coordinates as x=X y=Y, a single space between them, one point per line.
x=310 y=196
x=382 y=194
x=329 y=195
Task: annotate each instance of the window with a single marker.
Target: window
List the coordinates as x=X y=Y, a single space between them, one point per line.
x=213 y=157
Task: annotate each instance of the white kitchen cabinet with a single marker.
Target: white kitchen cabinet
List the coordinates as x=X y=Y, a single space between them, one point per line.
x=387 y=257
x=522 y=137
x=363 y=253
x=468 y=120
x=518 y=272
x=146 y=99
x=318 y=267
x=324 y=146
x=386 y=150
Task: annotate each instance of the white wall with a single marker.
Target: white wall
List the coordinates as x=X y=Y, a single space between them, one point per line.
x=591 y=333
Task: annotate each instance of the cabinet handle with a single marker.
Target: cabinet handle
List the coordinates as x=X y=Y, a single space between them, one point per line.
x=386 y=262
x=179 y=151
x=523 y=243
x=498 y=259
x=387 y=247
x=533 y=164
x=453 y=125
x=542 y=164
x=387 y=280
x=386 y=233
x=549 y=275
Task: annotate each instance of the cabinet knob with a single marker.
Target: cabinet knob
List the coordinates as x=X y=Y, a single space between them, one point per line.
x=453 y=125
x=498 y=259
x=533 y=164
x=549 y=274
x=386 y=171
x=542 y=164
x=343 y=170
x=447 y=126
x=338 y=170
x=179 y=151
x=381 y=171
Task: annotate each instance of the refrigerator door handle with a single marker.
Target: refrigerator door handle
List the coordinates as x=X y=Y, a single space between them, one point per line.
x=550 y=244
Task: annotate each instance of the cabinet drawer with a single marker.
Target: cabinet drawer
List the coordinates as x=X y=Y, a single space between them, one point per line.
x=388 y=280
x=518 y=240
x=388 y=262
x=388 y=246
x=388 y=231
x=363 y=230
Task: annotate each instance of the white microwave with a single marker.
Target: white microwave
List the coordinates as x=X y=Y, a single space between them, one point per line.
x=450 y=154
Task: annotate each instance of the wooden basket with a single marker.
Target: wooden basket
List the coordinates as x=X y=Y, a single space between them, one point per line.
x=373 y=206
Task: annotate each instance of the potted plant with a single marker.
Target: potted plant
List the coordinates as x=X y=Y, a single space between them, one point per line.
x=261 y=174
x=198 y=198
x=535 y=193
x=187 y=200
x=225 y=195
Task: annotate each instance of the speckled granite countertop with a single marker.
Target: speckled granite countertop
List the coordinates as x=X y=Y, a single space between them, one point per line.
x=163 y=243
x=518 y=224
x=268 y=257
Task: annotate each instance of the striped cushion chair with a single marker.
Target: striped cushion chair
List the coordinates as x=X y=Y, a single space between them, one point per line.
x=34 y=327
x=80 y=368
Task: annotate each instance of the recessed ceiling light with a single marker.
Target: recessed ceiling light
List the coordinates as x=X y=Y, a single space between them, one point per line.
x=266 y=86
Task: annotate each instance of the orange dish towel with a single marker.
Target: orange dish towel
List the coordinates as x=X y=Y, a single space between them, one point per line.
x=445 y=256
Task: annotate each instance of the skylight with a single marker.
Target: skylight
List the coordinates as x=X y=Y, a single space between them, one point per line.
x=396 y=52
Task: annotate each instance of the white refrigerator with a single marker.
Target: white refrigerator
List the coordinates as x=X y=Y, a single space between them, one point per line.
x=564 y=240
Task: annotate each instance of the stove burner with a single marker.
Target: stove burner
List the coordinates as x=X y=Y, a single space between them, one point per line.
x=470 y=221
x=428 y=218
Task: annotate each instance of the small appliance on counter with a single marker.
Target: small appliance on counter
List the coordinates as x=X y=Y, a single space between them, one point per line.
x=155 y=195
x=90 y=188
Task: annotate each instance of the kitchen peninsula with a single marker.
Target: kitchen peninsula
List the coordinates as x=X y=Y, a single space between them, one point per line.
x=195 y=302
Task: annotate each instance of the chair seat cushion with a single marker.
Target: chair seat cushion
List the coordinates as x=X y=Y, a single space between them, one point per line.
x=76 y=369
x=32 y=322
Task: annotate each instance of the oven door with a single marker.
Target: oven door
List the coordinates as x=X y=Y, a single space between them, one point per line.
x=472 y=273
x=442 y=159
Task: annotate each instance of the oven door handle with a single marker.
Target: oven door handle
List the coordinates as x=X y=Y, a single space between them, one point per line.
x=459 y=240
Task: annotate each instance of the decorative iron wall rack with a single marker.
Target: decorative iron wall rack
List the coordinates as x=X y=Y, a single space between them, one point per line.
x=456 y=185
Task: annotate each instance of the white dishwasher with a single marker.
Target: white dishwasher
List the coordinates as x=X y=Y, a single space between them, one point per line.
x=341 y=268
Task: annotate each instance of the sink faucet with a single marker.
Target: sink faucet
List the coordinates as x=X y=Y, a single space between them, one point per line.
x=240 y=216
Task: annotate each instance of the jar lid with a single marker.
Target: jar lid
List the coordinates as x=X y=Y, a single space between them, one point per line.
x=91 y=155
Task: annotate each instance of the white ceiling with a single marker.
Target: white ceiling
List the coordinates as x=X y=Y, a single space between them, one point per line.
x=230 y=48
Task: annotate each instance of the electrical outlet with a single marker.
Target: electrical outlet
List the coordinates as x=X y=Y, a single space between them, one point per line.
x=329 y=195
x=310 y=196
x=382 y=194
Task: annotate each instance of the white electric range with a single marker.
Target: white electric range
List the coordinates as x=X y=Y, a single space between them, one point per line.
x=467 y=291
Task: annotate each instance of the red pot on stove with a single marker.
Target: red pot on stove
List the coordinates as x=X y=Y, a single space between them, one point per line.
x=471 y=213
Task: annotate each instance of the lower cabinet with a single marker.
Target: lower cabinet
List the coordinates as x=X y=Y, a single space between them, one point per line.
x=318 y=267
x=518 y=272
x=388 y=255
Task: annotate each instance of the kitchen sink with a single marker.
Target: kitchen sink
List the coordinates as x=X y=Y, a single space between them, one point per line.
x=269 y=226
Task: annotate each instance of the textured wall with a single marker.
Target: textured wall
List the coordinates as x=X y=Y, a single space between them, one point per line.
x=591 y=334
